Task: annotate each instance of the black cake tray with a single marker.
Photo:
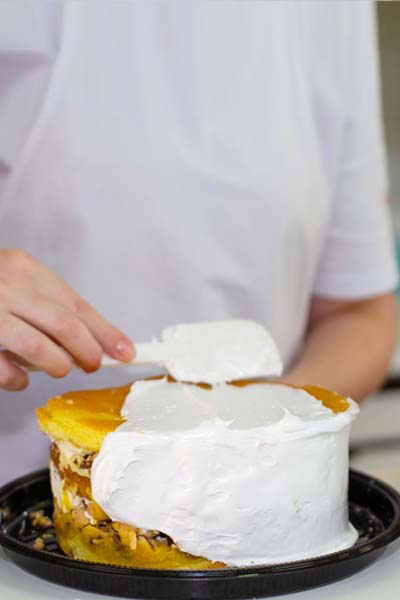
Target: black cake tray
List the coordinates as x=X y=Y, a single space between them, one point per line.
x=374 y=512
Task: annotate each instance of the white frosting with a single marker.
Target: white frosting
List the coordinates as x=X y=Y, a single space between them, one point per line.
x=241 y=475
x=221 y=351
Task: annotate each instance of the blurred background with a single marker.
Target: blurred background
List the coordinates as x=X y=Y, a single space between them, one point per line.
x=376 y=437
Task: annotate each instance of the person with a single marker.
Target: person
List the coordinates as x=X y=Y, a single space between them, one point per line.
x=179 y=162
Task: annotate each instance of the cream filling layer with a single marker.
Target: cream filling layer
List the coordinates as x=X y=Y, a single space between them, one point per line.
x=65 y=499
x=72 y=457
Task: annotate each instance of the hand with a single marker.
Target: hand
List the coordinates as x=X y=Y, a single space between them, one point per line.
x=41 y=317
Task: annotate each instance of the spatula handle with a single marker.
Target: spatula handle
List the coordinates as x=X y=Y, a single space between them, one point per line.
x=151 y=353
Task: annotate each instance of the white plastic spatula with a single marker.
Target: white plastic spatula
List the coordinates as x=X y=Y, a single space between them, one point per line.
x=211 y=352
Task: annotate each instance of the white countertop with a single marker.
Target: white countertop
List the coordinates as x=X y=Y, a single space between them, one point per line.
x=380 y=581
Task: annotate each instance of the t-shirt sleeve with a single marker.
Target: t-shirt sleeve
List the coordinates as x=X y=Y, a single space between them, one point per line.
x=358 y=259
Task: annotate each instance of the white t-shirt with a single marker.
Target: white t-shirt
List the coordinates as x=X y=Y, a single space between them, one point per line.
x=190 y=161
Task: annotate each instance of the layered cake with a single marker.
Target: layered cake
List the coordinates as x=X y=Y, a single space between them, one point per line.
x=173 y=475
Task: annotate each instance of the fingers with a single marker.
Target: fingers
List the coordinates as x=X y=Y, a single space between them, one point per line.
x=11 y=377
x=111 y=339
x=61 y=325
x=33 y=346
x=76 y=325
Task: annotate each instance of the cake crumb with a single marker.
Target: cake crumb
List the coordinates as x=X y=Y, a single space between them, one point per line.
x=38 y=544
x=39 y=519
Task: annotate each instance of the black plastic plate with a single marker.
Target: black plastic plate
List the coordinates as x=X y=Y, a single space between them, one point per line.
x=374 y=511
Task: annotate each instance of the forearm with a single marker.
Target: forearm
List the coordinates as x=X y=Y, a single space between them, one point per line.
x=348 y=350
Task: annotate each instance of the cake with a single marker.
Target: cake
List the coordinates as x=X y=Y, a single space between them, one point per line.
x=170 y=475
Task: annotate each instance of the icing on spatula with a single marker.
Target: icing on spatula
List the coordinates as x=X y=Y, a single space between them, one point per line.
x=211 y=352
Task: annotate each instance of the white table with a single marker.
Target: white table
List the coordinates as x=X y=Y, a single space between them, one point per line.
x=380 y=581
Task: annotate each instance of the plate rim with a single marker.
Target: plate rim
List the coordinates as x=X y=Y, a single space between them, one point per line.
x=389 y=535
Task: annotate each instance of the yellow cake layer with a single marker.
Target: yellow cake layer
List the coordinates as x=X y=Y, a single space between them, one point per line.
x=94 y=544
x=84 y=418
